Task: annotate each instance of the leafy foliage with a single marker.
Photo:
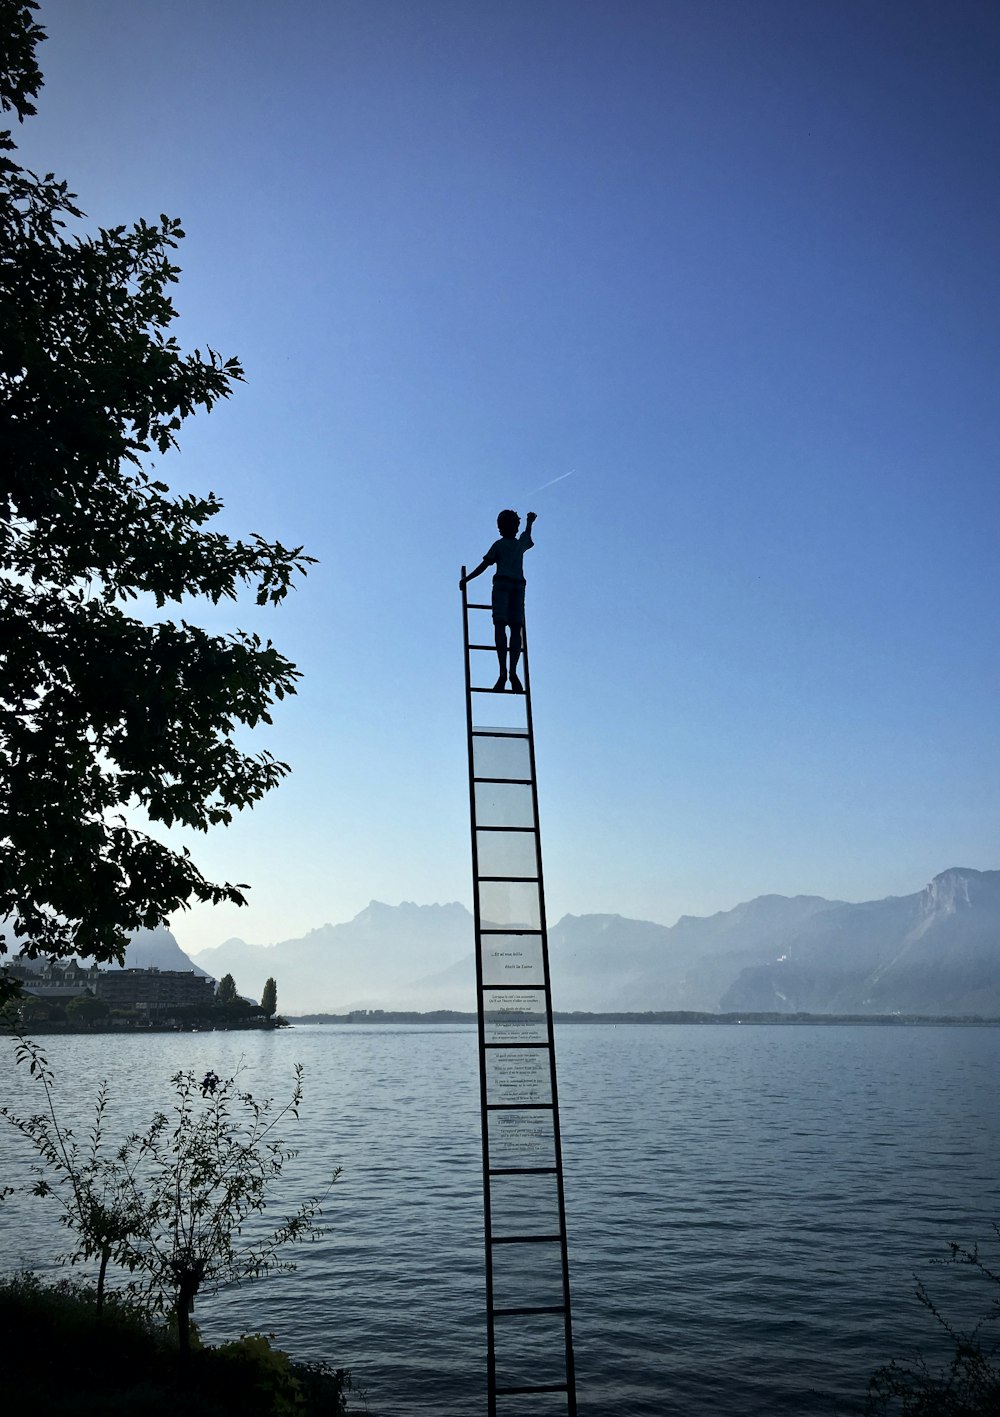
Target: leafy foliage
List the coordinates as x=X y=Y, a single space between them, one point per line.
x=20 y=76
x=269 y=998
x=100 y=710
x=30 y=1009
x=969 y=1386
x=174 y=1205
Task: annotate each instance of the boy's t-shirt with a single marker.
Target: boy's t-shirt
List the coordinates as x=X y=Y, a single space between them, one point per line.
x=507 y=554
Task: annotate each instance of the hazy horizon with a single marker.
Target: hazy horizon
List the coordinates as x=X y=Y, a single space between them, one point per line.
x=667 y=924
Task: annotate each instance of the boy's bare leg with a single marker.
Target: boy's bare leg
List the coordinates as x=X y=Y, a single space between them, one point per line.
x=515 y=655
x=500 y=638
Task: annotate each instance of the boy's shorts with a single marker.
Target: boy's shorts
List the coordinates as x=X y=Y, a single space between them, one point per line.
x=508 y=601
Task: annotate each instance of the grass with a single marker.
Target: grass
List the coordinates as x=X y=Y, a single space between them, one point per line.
x=61 y=1358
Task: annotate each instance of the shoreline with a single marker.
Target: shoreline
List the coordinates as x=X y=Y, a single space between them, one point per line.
x=380 y=1016
x=453 y=1016
x=56 y=1026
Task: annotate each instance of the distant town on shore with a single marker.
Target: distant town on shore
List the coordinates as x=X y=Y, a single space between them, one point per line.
x=65 y=996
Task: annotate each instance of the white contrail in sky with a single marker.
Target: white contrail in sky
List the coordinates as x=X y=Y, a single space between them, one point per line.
x=553 y=482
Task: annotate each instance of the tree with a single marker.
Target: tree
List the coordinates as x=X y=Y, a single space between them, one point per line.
x=31 y=1009
x=226 y=992
x=86 y=1009
x=101 y=710
x=269 y=998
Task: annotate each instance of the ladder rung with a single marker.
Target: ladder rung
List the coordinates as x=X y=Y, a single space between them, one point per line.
x=531 y=1309
x=484 y=689
x=512 y=1045
x=541 y=1387
x=512 y=930
x=476 y=606
x=524 y=1239
x=522 y=1171
x=493 y=648
x=508 y=878
x=519 y=1106
x=478 y=828
x=518 y=781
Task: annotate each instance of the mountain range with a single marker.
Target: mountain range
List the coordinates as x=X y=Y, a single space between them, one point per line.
x=147 y=949
x=934 y=952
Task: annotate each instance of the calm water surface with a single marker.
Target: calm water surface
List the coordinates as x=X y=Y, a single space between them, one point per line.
x=746 y=1205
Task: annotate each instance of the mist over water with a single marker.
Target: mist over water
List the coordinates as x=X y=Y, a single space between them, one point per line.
x=746 y=1205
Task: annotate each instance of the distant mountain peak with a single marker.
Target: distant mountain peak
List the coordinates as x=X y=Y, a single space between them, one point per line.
x=954 y=889
x=604 y=918
x=957 y=876
x=380 y=908
x=157 y=949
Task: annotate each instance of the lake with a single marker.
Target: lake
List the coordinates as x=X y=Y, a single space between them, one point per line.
x=746 y=1206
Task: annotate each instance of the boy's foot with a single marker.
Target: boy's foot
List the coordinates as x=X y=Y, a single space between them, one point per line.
x=516 y=686
x=498 y=687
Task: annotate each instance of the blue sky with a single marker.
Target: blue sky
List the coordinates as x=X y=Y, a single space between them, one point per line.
x=735 y=266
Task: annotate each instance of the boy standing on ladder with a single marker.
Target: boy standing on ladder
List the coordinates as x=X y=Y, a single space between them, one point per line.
x=507 y=555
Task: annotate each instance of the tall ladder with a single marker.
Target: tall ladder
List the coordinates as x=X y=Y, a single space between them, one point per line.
x=530 y=1367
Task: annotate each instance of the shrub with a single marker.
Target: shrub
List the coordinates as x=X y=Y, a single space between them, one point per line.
x=969 y=1384
x=171 y=1204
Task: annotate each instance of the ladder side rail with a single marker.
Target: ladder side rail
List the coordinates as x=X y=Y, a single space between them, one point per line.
x=556 y=1129
x=491 y=1375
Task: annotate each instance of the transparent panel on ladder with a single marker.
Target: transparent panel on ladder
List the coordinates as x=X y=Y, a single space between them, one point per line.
x=514 y=904
x=521 y=1137
x=530 y=1352
x=506 y=853
x=515 y=1016
x=504 y=804
x=512 y=959
x=527 y=1275
x=524 y=1205
x=518 y=1075
x=497 y=713
x=501 y=755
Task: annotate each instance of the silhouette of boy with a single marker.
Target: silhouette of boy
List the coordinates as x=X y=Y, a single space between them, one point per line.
x=507 y=556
